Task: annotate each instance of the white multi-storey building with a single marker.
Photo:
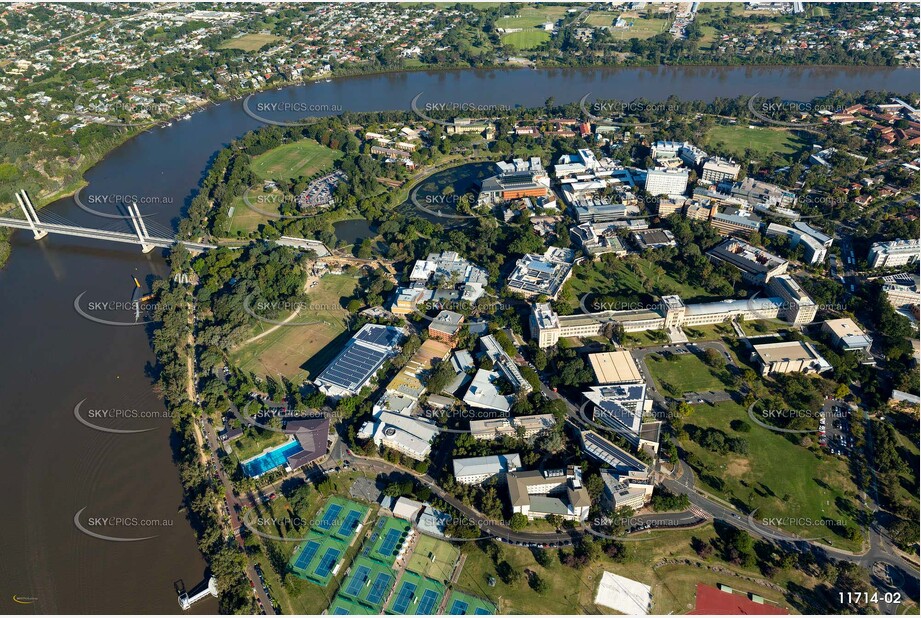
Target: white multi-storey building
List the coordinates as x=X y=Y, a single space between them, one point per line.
x=661 y=181
x=894 y=253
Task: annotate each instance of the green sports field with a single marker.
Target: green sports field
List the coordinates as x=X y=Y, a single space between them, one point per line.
x=683 y=373
x=318 y=558
x=433 y=558
x=761 y=140
x=526 y=39
x=341 y=606
x=249 y=42
x=530 y=17
x=302 y=158
x=368 y=585
x=416 y=595
x=463 y=604
x=389 y=536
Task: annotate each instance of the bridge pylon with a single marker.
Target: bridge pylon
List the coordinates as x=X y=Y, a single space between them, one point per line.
x=137 y=222
x=29 y=211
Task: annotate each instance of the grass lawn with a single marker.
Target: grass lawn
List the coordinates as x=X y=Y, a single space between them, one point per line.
x=299 y=351
x=763 y=141
x=249 y=42
x=762 y=327
x=778 y=477
x=530 y=17
x=254 y=441
x=908 y=481
x=246 y=219
x=526 y=39
x=301 y=158
x=573 y=591
x=683 y=373
x=641 y=339
x=641 y=28
x=709 y=332
x=600 y=19
x=626 y=283
x=433 y=558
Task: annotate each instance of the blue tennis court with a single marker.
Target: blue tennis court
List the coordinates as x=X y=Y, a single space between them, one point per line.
x=379 y=588
x=307 y=554
x=404 y=597
x=458 y=608
x=427 y=602
x=358 y=581
x=389 y=543
x=327 y=562
x=348 y=525
x=481 y=612
x=329 y=517
x=341 y=611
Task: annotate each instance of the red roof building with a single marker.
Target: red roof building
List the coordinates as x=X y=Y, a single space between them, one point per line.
x=713 y=601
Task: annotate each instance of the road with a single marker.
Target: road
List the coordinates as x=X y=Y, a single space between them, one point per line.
x=904 y=573
x=881 y=550
x=234 y=508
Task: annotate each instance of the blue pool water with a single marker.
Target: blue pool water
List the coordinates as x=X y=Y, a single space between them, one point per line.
x=270 y=460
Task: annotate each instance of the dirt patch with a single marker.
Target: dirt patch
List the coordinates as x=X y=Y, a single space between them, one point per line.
x=738 y=467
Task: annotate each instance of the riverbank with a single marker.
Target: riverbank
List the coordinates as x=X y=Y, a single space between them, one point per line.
x=505 y=84
x=75 y=181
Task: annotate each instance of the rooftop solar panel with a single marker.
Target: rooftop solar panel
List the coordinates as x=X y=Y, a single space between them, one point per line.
x=381 y=336
x=353 y=366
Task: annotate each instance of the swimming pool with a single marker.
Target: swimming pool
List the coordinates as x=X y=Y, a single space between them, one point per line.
x=257 y=466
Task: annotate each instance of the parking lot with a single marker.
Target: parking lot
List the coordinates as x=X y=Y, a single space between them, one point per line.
x=835 y=428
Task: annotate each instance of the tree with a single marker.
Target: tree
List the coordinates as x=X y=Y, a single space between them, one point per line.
x=507 y=573
x=714 y=358
x=518 y=522
x=543 y=557
x=538 y=583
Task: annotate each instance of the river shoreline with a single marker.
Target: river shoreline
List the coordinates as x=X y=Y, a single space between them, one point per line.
x=77 y=183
